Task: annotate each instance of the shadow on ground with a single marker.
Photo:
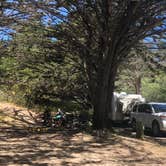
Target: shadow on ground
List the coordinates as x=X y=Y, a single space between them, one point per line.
x=18 y=146
x=70 y=148
x=126 y=131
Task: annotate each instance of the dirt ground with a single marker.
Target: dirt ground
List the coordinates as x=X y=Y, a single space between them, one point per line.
x=18 y=146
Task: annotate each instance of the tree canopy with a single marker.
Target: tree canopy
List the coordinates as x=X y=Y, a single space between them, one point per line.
x=79 y=45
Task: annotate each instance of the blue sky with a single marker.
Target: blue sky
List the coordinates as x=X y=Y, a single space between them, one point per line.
x=47 y=20
x=5 y=34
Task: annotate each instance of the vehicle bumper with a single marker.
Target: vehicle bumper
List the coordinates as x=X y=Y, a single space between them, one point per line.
x=163 y=125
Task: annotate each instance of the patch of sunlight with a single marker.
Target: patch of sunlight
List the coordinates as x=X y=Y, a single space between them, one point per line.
x=4 y=118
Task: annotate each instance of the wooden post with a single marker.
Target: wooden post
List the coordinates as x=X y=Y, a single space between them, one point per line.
x=139 y=130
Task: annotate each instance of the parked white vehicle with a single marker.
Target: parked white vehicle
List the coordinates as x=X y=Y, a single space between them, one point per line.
x=122 y=105
x=152 y=116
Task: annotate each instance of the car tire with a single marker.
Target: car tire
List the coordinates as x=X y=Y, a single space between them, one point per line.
x=133 y=124
x=155 y=129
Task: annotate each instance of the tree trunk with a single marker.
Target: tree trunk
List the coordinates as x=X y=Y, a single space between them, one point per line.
x=139 y=130
x=103 y=99
x=138 y=85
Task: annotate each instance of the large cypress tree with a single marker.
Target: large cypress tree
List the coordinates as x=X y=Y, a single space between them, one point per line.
x=102 y=33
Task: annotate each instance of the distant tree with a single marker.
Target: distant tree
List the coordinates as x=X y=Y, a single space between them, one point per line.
x=140 y=64
x=154 y=89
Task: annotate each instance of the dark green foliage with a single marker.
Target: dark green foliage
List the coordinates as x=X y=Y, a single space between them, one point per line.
x=45 y=76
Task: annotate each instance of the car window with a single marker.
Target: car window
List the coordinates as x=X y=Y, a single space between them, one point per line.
x=159 y=107
x=144 y=108
x=135 y=108
x=147 y=108
x=141 y=108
